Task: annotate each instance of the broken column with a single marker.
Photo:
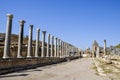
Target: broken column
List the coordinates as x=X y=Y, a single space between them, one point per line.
x=30 y=42
x=8 y=36
x=98 y=52
x=104 y=47
x=43 y=43
x=20 y=41
x=37 y=43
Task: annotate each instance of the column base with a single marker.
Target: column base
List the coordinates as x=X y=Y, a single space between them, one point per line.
x=29 y=56
x=5 y=57
x=20 y=57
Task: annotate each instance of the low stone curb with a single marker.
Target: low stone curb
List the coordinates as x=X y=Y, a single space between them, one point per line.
x=99 y=69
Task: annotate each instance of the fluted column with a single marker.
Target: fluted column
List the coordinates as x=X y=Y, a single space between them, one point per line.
x=43 y=43
x=52 y=44
x=48 y=46
x=30 y=42
x=37 y=43
x=55 y=54
x=8 y=36
x=20 y=41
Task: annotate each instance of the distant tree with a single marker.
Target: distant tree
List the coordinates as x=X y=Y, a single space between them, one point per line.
x=117 y=46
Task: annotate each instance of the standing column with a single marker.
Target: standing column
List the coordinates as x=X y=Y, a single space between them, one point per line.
x=64 y=49
x=8 y=36
x=20 y=41
x=104 y=47
x=43 y=43
x=48 y=44
x=58 y=47
x=67 y=49
x=61 y=48
x=30 y=41
x=37 y=43
x=52 y=44
x=55 y=54
x=98 y=52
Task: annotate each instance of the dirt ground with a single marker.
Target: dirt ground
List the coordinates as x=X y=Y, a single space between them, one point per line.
x=80 y=69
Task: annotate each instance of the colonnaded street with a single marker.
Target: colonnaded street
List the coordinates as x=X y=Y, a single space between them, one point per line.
x=79 y=69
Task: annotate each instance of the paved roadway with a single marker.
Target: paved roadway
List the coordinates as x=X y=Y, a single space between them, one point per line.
x=80 y=69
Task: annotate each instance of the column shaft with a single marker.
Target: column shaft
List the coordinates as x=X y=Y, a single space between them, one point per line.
x=48 y=46
x=43 y=43
x=55 y=54
x=30 y=42
x=8 y=36
x=20 y=41
x=58 y=47
x=104 y=47
x=37 y=43
x=52 y=44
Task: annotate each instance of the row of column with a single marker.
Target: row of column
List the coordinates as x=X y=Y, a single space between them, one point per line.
x=59 y=49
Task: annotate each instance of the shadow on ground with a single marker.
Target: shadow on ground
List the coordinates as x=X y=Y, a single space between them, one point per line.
x=2 y=76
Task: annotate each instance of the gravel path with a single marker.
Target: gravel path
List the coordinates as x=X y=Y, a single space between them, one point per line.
x=80 y=69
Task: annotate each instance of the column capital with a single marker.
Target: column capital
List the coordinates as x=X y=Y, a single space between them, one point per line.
x=10 y=16
x=22 y=22
x=44 y=32
x=31 y=26
x=56 y=38
x=38 y=29
x=52 y=36
x=49 y=35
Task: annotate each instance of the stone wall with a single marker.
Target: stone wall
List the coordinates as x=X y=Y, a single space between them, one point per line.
x=15 y=64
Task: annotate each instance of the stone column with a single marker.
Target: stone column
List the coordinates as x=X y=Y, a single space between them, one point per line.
x=55 y=54
x=8 y=36
x=104 y=47
x=98 y=52
x=30 y=42
x=61 y=48
x=58 y=48
x=48 y=46
x=43 y=43
x=20 y=41
x=37 y=43
x=64 y=49
x=67 y=49
x=52 y=44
